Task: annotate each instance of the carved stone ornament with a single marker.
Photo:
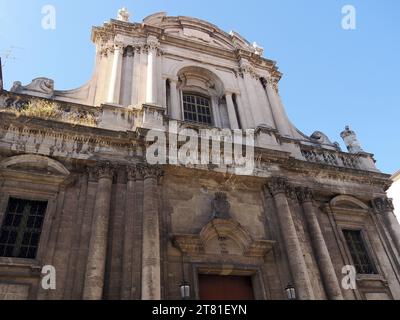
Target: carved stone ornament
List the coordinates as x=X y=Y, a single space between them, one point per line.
x=151 y=171
x=222 y=230
x=277 y=185
x=135 y=172
x=321 y=138
x=123 y=15
x=153 y=43
x=291 y=192
x=383 y=204
x=272 y=82
x=257 y=49
x=304 y=194
x=247 y=68
x=221 y=206
x=44 y=86
x=105 y=170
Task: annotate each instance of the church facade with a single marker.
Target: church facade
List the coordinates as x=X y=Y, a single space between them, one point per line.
x=79 y=197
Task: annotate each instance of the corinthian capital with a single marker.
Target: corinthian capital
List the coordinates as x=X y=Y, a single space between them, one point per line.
x=382 y=204
x=153 y=43
x=277 y=186
x=247 y=68
x=152 y=171
x=119 y=47
x=304 y=194
x=106 y=49
x=105 y=170
x=135 y=172
x=272 y=82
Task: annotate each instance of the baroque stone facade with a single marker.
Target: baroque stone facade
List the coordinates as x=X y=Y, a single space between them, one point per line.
x=116 y=227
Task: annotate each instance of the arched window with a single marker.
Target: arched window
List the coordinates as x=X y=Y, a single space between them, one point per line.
x=197 y=108
x=202 y=95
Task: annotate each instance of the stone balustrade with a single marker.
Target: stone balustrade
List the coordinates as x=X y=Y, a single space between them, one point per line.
x=332 y=158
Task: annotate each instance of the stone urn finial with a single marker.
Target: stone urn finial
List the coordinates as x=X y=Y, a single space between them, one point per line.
x=350 y=139
x=123 y=15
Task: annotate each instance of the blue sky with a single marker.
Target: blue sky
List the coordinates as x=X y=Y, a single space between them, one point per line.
x=332 y=77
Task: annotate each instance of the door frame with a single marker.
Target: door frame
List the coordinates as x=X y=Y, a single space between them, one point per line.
x=230 y=270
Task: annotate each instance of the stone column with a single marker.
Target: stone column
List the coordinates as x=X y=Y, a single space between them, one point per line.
x=322 y=256
x=279 y=114
x=151 y=256
x=151 y=87
x=94 y=278
x=231 y=111
x=176 y=110
x=134 y=174
x=278 y=187
x=215 y=112
x=384 y=206
x=115 y=77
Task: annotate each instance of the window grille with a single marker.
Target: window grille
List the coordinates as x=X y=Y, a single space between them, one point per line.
x=21 y=228
x=197 y=109
x=361 y=259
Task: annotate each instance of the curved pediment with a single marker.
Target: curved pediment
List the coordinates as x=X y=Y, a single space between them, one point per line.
x=344 y=201
x=34 y=163
x=198 y=30
x=223 y=236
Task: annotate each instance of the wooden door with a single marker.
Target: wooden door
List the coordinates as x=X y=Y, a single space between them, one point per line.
x=225 y=288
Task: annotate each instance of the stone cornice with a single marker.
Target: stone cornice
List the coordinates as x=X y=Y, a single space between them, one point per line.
x=65 y=130
x=110 y=30
x=129 y=139
x=331 y=172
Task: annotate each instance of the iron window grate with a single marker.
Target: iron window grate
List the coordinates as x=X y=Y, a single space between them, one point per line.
x=361 y=259
x=197 y=109
x=21 y=228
